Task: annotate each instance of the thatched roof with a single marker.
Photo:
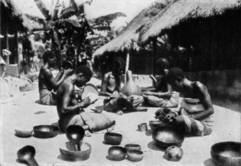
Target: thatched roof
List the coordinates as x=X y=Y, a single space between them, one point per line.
x=3 y=2
x=182 y=10
x=128 y=37
x=10 y=5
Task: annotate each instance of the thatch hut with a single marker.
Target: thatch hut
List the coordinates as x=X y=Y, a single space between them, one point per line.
x=127 y=40
x=11 y=24
x=209 y=30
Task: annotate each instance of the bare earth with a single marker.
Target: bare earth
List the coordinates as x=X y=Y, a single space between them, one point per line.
x=23 y=113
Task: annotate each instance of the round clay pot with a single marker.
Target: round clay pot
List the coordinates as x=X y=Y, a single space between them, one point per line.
x=112 y=138
x=116 y=153
x=135 y=155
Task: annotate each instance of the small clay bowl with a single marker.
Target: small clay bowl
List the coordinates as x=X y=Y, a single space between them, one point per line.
x=142 y=127
x=132 y=147
x=112 y=138
x=135 y=155
x=116 y=153
x=23 y=133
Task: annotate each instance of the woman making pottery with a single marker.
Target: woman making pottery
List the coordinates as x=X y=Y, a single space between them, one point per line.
x=127 y=99
x=195 y=113
x=162 y=94
x=47 y=82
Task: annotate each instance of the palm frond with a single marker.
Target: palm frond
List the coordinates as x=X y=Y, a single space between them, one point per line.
x=109 y=18
x=74 y=5
x=43 y=8
x=55 y=10
x=35 y=18
x=67 y=12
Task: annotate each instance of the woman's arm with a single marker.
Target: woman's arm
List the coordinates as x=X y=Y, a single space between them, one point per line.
x=58 y=76
x=52 y=80
x=161 y=94
x=205 y=100
x=67 y=109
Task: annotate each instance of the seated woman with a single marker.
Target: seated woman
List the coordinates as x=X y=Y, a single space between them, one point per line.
x=162 y=94
x=195 y=113
x=111 y=82
x=47 y=83
x=71 y=109
x=118 y=101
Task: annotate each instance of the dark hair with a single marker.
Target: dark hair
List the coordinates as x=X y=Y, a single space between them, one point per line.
x=47 y=55
x=162 y=63
x=175 y=74
x=85 y=71
x=67 y=65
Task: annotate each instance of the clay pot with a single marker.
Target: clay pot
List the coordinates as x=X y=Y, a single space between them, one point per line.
x=45 y=131
x=130 y=88
x=116 y=153
x=173 y=153
x=132 y=147
x=226 y=153
x=72 y=154
x=112 y=138
x=135 y=155
x=165 y=137
x=26 y=155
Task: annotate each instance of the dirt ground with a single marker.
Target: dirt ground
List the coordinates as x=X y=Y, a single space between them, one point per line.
x=23 y=113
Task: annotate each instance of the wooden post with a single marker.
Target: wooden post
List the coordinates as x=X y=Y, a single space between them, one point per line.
x=154 y=55
x=7 y=44
x=127 y=63
x=16 y=47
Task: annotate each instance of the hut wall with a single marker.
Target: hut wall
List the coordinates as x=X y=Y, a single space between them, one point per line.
x=141 y=62
x=211 y=43
x=224 y=86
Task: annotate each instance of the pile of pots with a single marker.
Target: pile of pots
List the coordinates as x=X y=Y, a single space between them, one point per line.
x=131 y=152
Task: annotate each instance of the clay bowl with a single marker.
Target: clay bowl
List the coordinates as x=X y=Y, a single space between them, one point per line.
x=156 y=124
x=112 y=138
x=23 y=133
x=226 y=153
x=26 y=155
x=116 y=153
x=45 y=131
x=75 y=134
x=135 y=155
x=132 y=147
x=165 y=137
x=70 y=153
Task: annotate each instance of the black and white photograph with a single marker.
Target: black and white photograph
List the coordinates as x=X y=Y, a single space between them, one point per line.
x=120 y=83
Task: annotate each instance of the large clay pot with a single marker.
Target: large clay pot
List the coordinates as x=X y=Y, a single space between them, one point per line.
x=130 y=88
x=165 y=137
x=226 y=153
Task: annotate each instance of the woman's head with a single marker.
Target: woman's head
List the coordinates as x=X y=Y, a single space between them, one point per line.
x=162 y=64
x=175 y=78
x=84 y=74
x=49 y=57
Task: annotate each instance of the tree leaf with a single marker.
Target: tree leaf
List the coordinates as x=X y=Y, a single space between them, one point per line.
x=43 y=9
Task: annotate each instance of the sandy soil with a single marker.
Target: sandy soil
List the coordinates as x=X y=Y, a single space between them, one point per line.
x=23 y=113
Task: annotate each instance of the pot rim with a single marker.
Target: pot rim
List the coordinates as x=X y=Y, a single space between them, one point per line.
x=215 y=152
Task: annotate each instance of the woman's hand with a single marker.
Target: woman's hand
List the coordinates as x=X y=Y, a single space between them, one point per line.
x=67 y=72
x=86 y=102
